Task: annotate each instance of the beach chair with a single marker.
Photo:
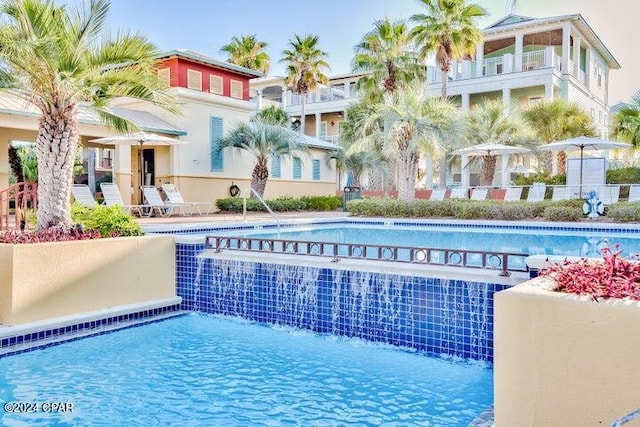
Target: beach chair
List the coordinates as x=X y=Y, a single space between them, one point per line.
x=458 y=193
x=560 y=192
x=112 y=197
x=634 y=193
x=154 y=201
x=513 y=194
x=536 y=192
x=438 y=194
x=479 y=194
x=175 y=198
x=82 y=194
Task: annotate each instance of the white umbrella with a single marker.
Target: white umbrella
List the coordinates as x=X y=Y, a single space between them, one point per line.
x=583 y=143
x=491 y=149
x=139 y=138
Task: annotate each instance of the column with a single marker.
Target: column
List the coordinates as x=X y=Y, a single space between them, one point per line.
x=318 y=117
x=464 y=172
x=122 y=173
x=518 y=52
x=548 y=91
x=479 y=60
x=259 y=94
x=465 y=102
x=428 y=167
x=504 y=181
x=566 y=33
x=284 y=97
x=576 y=57
x=506 y=100
x=587 y=70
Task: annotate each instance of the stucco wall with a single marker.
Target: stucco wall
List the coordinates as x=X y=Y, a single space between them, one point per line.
x=562 y=360
x=46 y=280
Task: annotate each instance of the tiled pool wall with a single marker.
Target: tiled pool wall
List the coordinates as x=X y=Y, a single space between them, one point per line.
x=438 y=316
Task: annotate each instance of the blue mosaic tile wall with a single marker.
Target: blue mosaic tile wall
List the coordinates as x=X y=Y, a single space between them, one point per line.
x=438 y=316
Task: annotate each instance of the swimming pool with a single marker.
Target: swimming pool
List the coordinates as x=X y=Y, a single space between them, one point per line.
x=209 y=370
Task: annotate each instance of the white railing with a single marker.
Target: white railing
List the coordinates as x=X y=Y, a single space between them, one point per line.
x=324 y=94
x=533 y=60
x=493 y=66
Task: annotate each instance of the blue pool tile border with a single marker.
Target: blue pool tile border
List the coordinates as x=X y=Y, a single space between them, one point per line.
x=90 y=328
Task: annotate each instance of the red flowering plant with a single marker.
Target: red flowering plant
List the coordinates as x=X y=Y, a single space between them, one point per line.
x=53 y=234
x=613 y=277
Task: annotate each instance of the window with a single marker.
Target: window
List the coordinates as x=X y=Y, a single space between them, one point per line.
x=535 y=100
x=275 y=167
x=164 y=75
x=297 y=168
x=236 y=89
x=215 y=84
x=316 y=170
x=216 y=152
x=498 y=68
x=194 y=79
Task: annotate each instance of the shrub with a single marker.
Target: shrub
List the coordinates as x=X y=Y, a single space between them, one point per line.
x=630 y=175
x=109 y=221
x=625 y=212
x=280 y=204
x=322 y=203
x=614 y=277
x=562 y=213
x=53 y=234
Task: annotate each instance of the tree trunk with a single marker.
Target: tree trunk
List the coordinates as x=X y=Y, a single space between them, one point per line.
x=303 y=119
x=407 y=166
x=259 y=179
x=487 y=171
x=56 y=151
x=445 y=83
x=562 y=162
x=442 y=173
x=547 y=162
x=375 y=179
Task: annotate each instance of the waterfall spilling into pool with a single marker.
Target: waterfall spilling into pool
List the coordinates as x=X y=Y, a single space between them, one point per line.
x=439 y=316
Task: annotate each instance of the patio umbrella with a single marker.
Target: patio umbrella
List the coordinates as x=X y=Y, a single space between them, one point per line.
x=583 y=143
x=491 y=149
x=141 y=139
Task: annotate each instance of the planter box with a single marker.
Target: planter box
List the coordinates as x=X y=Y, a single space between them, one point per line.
x=564 y=360
x=45 y=280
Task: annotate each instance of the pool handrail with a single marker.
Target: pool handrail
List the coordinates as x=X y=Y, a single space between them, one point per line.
x=250 y=190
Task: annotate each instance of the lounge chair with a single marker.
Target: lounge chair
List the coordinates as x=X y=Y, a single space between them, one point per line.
x=458 y=193
x=438 y=194
x=156 y=204
x=560 y=192
x=634 y=193
x=513 y=194
x=479 y=194
x=536 y=192
x=112 y=197
x=82 y=194
x=175 y=198
x=609 y=194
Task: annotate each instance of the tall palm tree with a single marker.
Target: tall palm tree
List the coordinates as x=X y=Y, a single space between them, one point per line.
x=248 y=52
x=557 y=120
x=263 y=141
x=413 y=125
x=355 y=162
x=386 y=54
x=55 y=59
x=305 y=63
x=626 y=122
x=448 y=29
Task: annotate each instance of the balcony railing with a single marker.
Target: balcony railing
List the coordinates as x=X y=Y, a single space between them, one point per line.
x=323 y=94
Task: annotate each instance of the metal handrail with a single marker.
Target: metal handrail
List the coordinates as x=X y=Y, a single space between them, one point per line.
x=251 y=190
x=407 y=254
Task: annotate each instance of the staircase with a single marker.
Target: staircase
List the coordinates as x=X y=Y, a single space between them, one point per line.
x=24 y=196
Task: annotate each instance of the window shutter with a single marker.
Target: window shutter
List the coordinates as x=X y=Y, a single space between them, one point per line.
x=236 y=89
x=164 y=75
x=194 y=79
x=275 y=167
x=215 y=84
x=297 y=168
x=316 y=170
x=216 y=152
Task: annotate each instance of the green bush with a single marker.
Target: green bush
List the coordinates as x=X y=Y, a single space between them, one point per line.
x=107 y=220
x=629 y=175
x=625 y=212
x=280 y=204
x=286 y=204
x=322 y=203
x=562 y=213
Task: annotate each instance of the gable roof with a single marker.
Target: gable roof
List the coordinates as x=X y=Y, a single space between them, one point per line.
x=208 y=60
x=510 y=20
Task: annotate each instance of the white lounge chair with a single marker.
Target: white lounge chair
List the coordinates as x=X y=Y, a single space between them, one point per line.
x=479 y=194
x=112 y=197
x=437 y=194
x=458 y=193
x=82 y=194
x=175 y=198
x=536 y=192
x=634 y=193
x=155 y=203
x=560 y=192
x=609 y=194
x=513 y=194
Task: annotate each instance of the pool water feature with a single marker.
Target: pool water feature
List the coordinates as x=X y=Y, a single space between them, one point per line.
x=210 y=370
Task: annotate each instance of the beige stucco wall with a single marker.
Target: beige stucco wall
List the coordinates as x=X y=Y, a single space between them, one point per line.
x=562 y=360
x=47 y=280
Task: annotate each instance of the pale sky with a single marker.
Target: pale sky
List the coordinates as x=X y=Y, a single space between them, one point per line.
x=206 y=25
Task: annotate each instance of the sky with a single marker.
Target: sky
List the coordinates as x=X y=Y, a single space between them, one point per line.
x=206 y=25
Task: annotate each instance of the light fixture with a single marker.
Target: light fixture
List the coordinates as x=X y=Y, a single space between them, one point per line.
x=332 y=123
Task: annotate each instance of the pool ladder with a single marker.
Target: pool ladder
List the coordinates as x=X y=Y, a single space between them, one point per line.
x=247 y=192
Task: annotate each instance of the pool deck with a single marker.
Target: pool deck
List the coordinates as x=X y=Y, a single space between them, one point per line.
x=231 y=218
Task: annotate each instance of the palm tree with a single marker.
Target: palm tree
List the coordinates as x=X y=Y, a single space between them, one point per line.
x=386 y=55
x=55 y=59
x=305 y=63
x=413 y=125
x=626 y=122
x=556 y=120
x=448 y=29
x=248 y=52
x=263 y=141
x=355 y=162
x=273 y=115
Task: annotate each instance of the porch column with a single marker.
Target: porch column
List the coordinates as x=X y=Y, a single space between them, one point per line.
x=479 y=60
x=465 y=102
x=464 y=172
x=504 y=180
x=122 y=172
x=576 y=57
x=548 y=91
x=318 y=117
x=587 y=70
x=518 y=52
x=566 y=34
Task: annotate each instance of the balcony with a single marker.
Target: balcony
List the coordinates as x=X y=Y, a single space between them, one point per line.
x=324 y=94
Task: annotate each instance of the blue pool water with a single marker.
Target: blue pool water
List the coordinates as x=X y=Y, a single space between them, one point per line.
x=208 y=370
x=532 y=242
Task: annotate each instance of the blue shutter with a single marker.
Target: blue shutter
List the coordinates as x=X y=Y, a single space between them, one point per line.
x=297 y=168
x=275 y=167
x=316 y=170
x=216 y=152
